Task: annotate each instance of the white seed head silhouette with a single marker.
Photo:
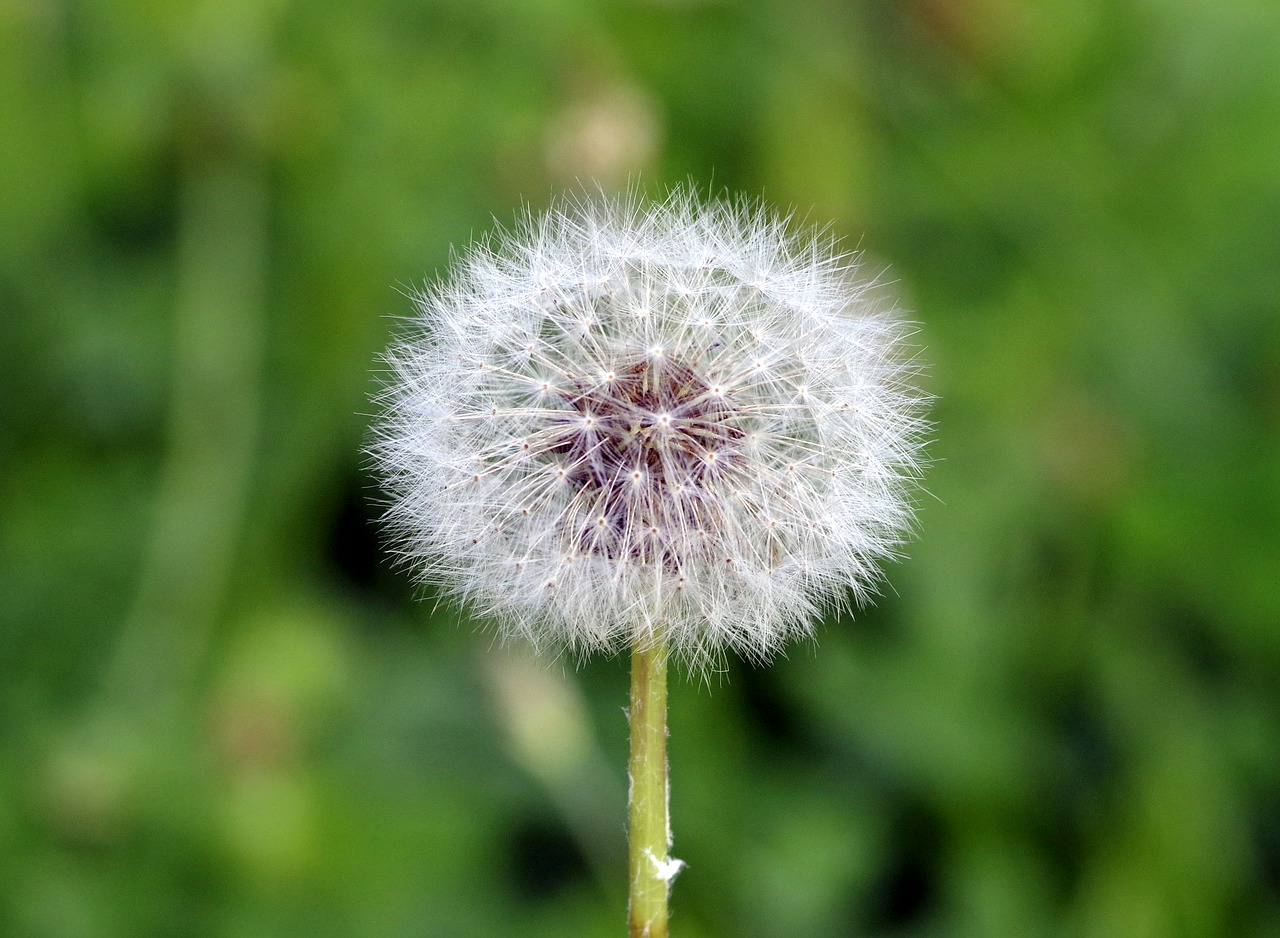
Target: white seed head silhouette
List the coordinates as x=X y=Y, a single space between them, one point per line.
x=624 y=419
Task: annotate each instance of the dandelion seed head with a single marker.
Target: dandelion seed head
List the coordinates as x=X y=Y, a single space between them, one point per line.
x=622 y=419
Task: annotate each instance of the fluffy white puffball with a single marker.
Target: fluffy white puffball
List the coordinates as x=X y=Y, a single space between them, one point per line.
x=626 y=420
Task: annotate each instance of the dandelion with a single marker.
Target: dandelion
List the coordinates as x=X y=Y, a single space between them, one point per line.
x=679 y=428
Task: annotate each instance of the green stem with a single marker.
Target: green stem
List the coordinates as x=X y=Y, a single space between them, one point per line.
x=650 y=828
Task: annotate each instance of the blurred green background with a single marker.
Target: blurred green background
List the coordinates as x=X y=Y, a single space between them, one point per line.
x=222 y=712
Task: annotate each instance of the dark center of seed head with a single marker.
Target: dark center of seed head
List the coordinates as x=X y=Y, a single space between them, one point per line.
x=642 y=444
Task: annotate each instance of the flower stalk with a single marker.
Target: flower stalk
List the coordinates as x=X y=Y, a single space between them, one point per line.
x=649 y=821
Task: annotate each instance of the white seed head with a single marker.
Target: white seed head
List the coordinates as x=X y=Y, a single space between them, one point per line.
x=625 y=418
